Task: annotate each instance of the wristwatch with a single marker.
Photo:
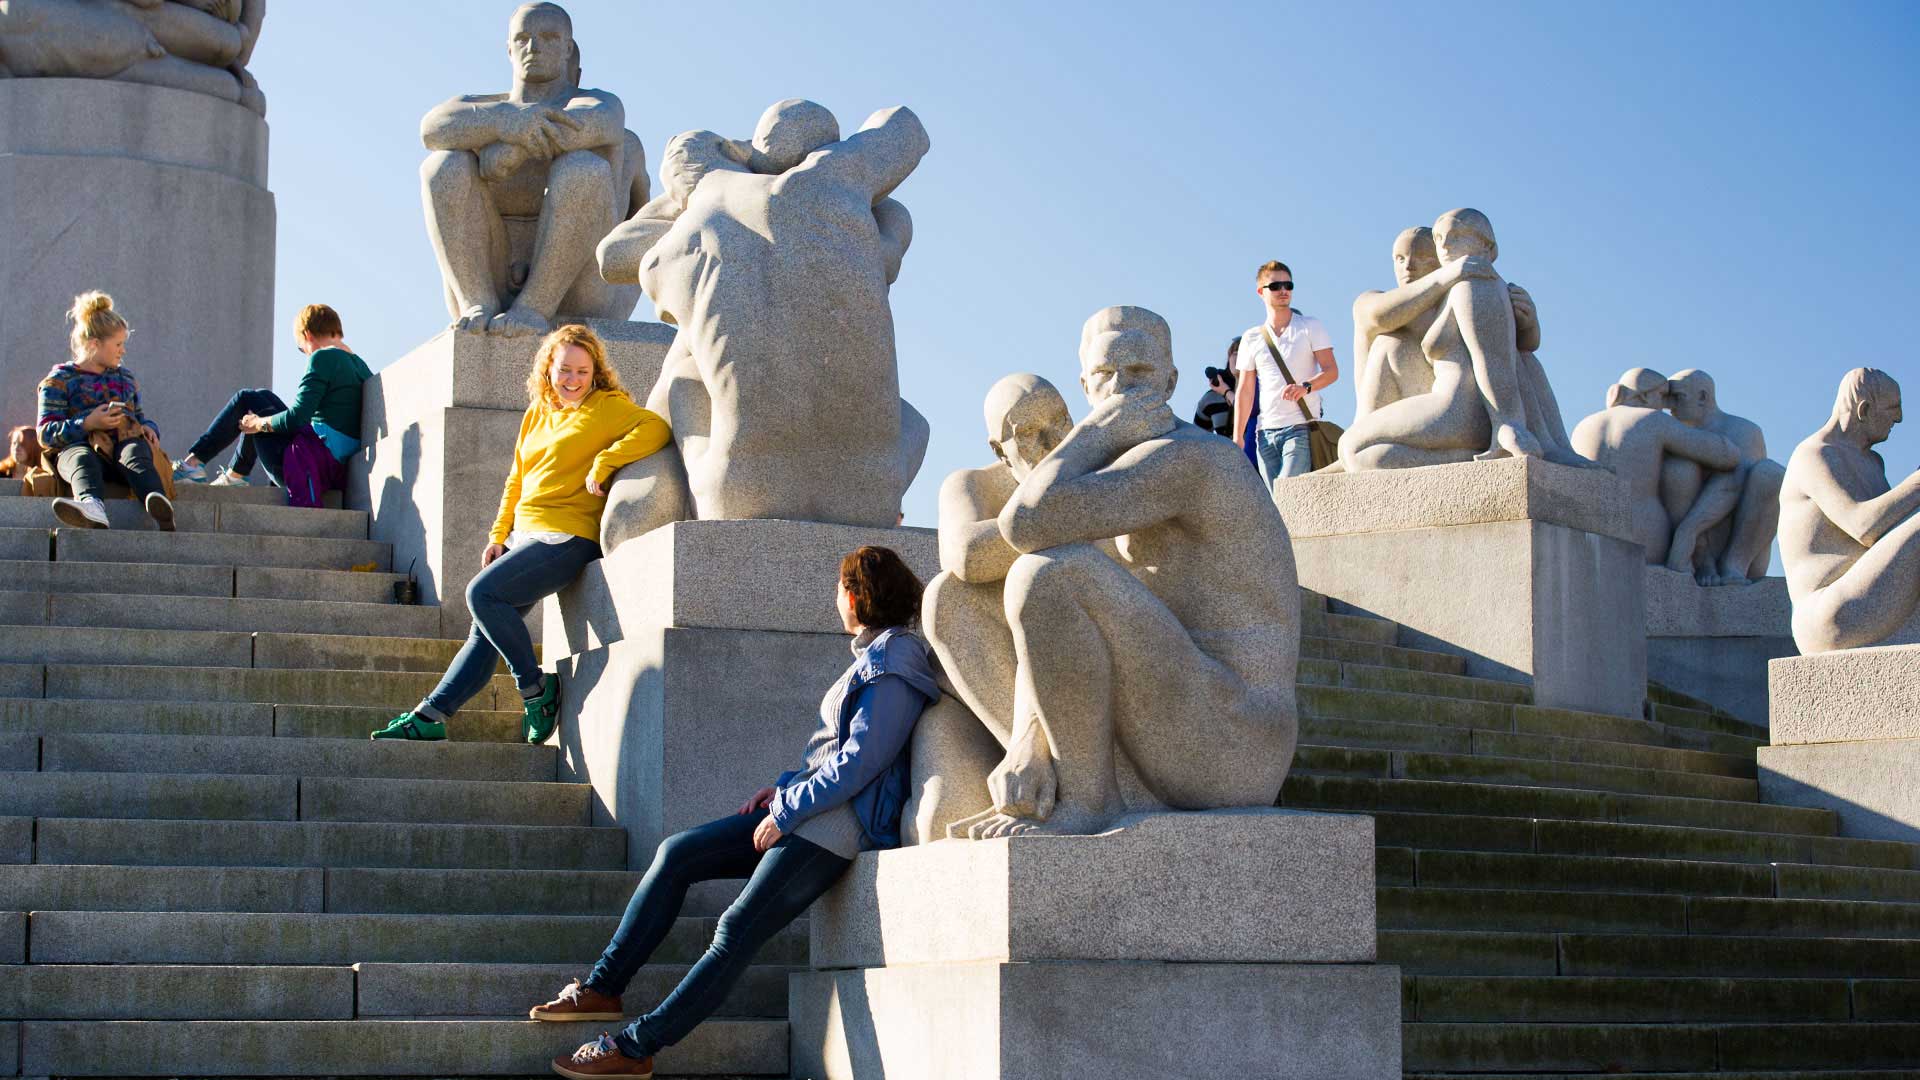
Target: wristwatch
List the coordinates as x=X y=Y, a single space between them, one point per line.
x=1306 y=387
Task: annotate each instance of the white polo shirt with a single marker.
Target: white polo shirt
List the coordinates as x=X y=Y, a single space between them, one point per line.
x=1303 y=336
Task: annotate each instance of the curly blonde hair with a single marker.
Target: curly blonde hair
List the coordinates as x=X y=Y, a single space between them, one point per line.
x=93 y=319
x=540 y=386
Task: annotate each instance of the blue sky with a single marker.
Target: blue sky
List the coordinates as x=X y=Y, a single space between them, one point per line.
x=1714 y=185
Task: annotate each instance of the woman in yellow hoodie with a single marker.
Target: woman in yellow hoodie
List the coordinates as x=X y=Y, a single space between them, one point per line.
x=580 y=427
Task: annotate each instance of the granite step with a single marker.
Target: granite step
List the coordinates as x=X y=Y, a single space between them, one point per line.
x=42 y=716
x=502 y=989
x=1402 y=680
x=176 y=937
x=1562 y=999
x=217 y=549
x=247 y=614
x=297 y=757
x=354 y=722
x=1349 y=651
x=52 y=887
x=202 y=516
x=180 y=579
x=1419 y=765
x=1382 y=735
x=258 y=493
x=1705 y=720
x=355 y=652
x=237 y=647
x=1480 y=952
x=283 y=583
x=136 y=842
x=394 y=691
x=446 y=1048
x=1364 y=628
x=137 y=795
x=448 y=802
x=1656 y=1048
x=1457 y=832
x=1358 y=794
x=175 y=992
x=26 y=545
x=1736 y=1074
x=410 y=890
x=1815 y=882
x=1434 y=908
x=1571 y=873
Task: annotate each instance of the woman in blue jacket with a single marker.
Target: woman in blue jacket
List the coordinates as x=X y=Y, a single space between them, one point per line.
x=792 y=840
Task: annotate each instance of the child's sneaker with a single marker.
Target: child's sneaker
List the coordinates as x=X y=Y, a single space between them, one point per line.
x=229 y=478
x=189 y=474
x=160 y=509
x=82 y=513
x=543 y=711
x=412 y=727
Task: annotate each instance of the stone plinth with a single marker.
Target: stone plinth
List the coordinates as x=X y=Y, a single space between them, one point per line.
x=1527 y=569
x=1846 y=737
x=160 y=198
x=693 y=661
x=1715 y=643
x=439 y=426
x=1227 y=943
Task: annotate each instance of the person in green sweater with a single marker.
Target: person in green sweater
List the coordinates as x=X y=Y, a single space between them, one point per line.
x=328 y=404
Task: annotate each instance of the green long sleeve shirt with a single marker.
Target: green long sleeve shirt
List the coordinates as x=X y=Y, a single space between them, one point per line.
x=329 y=392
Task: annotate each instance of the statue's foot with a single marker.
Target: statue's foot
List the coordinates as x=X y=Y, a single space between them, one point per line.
x=1562 y=456
x=473 y=320
x=517 y=321
x=1511 y=440
x=993 y=824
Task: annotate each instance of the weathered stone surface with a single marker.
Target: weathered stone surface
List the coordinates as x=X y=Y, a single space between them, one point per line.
x=1091 y=1021
x=48 y=887
x=22 y=680
x=175 y=992
x=506 y=989
x=13 y=937
x=1221 y=886
x=688 y=574
x=88 y=794
x=202 y=49
x=1869 y=783
x=185 y=172
x=1854 y=694
x=1472 y=493
x=1723 y=522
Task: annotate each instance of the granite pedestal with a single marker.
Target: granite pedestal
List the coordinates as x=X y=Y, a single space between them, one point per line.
x=160 y=198
x=1527 y=569
x=1227 y=943
x=1715 y=643
x=439 y=426
x=1846 y=737
x=694 y=659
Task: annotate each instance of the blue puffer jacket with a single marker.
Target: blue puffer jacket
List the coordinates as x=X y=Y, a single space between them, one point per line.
x=869 y=723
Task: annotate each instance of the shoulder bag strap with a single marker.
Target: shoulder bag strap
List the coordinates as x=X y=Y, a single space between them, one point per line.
x=1274 y=348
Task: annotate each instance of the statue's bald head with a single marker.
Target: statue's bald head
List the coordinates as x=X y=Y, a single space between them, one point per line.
x=1414 y=256
x=540 y=39
x=1463 y=232
x=790 y=130
x=1870 y=397
x=1690 y=394
x=1026 y=418
x=1126 y=350
x=1639 y=386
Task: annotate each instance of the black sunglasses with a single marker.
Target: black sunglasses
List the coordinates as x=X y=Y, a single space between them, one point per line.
x=1276 y=286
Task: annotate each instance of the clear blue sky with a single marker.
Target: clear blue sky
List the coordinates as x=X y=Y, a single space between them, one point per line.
x=1727 y=186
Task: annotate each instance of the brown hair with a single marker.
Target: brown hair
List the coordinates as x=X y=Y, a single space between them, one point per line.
x=1271 y=265
x=540 y=387
x=318 y=320
x=9 y=466
x=883 y=590
x=93 y=319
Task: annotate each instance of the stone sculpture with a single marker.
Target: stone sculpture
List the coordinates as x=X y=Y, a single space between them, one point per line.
x=1448 y=370
x=1636 y=439
x=520 y=186
x=1725 y=522
x=1849 y=540
x=1141 y=676
x=773 y=259
x=198 y=45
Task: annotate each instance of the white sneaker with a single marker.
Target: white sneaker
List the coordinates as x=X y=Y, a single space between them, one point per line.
x=84 y=513
x=229 y=478
x=160 y=509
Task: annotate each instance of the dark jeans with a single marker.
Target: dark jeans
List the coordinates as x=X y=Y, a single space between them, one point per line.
x=499 y=598
x=268 y=448
x=781 y=885
x=87 y=473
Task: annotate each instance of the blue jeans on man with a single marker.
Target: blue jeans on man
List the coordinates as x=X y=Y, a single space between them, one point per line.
x=499 y=598
x=1286 y=451
x=268 y=448
x=781 y=885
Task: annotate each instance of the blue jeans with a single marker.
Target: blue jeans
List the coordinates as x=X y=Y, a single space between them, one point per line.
x=499 y=598
x=1284 y=452
x=781 y=885
x=269 y=448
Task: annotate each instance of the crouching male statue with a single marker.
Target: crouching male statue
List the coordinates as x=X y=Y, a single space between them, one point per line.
x=1850 y=541
x=520 y=186
x=1724 y=522
x=1146 y=678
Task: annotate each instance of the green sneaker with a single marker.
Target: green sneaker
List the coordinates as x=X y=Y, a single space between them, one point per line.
x=543 y=711
x=414 y=727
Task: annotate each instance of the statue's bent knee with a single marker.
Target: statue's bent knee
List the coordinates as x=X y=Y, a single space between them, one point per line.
x=443 y=168
x=580 y=173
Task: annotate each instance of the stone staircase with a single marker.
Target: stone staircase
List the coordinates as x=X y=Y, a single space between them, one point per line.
x=209 y=871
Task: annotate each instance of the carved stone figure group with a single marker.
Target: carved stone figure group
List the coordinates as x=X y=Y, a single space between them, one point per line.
x=197 y=45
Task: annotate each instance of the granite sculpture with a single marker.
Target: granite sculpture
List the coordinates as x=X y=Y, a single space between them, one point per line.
x=201 y=46
x=520 y=186
x=1142 y=677
x=1849 y=540
x=773 y=259
x=1635 y=438
x=1724 y=521
x=1448 y=364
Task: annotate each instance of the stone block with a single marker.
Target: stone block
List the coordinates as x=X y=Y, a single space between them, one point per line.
x=184 y=172
x=93 y=841
x=107 y=644
x=1095 y=1021
x=1220 y=886
x=1526 y=569
x=139 y=795
x=16 y=840
x=176 y=992
x=1847 y=695
x=48 y=887
x=1714 y=643
x=13 y=937
x=1869 y=783
x=690 y=574
x=24 y=545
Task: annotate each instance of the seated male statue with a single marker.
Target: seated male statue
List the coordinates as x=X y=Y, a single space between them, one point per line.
x=1448 y=370
x=773 y=259
x=1149 y=663
x=520 y=186
x=1850 y=541
x=1725 y=521
x=1636 y=439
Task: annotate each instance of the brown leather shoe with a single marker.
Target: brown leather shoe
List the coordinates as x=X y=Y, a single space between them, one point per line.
x=602 y=1057
x=576 y=1002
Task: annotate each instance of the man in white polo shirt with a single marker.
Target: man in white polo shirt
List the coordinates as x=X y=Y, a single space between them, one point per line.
x=1287 y=400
